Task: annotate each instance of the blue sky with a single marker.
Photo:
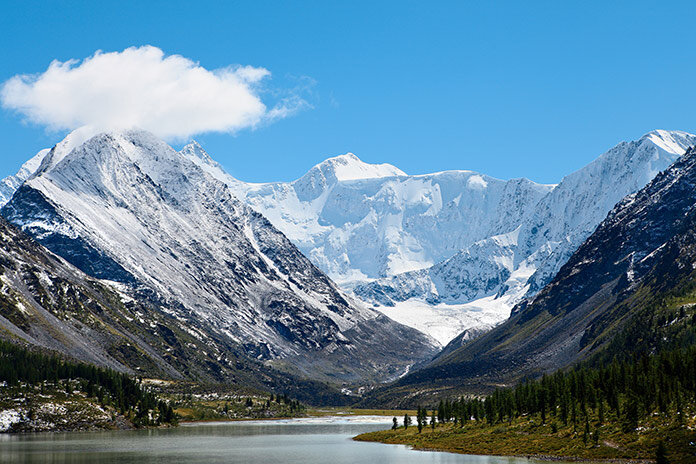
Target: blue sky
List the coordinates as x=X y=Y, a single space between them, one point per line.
x=510 y=89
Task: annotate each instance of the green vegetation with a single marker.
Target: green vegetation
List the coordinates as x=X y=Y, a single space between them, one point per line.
x=636 y=409
x=32 y=375
x=526 y=436
x=211 y=406
x=46 y=392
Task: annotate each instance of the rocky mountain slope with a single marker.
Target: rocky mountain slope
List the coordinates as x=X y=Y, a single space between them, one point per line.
x=630 y=287
x=127 y=208
x=47 y=303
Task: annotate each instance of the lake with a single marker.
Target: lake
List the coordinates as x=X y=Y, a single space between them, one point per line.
x=293 y=441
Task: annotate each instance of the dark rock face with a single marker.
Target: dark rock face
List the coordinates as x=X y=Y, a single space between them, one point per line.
x=627 y=244
x=32 y=209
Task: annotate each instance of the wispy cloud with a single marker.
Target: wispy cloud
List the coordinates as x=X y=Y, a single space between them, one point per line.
x=171 y=96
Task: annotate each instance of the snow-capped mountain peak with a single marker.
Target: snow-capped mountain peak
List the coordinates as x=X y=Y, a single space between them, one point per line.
x=670 y=141
x=44 y=160
x=350 y=167
x=195 y=152
x=64 y=147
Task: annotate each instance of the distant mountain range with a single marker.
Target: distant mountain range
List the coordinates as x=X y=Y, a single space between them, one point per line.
x=449 y=251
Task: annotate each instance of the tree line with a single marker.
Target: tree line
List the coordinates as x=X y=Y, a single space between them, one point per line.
x=627 y=390
x=19 y=365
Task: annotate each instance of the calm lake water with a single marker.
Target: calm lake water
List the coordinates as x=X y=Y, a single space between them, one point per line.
x=298 y=441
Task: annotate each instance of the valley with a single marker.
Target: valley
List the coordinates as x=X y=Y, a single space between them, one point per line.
x=347 y=232
x=228 y=320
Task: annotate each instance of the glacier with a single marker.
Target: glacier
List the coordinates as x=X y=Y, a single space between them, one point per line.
x=448 y=251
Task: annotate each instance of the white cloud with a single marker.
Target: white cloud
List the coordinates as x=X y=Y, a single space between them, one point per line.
x=170 y=96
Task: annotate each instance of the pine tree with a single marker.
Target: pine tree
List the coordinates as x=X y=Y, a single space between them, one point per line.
x=630 y=414
x=661 y=454
x=586 y=432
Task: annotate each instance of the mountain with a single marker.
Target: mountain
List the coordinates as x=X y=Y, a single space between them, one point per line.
x=126 y=208
x=49 y=304
x=449 y=251
x=629 y=288
x=488 y=277
x=359 y=222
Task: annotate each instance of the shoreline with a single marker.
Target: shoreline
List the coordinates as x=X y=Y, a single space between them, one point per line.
x=127 y=426
x=539 y=457
x=497 y=441
x=364 y=437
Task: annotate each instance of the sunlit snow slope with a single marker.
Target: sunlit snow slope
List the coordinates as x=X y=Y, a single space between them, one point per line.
x=485 y=279
x=126 y=207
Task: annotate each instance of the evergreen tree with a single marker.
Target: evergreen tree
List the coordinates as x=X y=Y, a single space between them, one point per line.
x=661 y=454
x=630 y=414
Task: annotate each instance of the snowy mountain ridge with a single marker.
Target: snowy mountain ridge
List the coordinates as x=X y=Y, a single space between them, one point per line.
x=452 y=250
x=10 y=184
x=360 y=222
x=126 y=207
x=496 y=273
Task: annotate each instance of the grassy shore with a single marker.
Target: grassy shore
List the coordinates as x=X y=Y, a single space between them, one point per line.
x=524 y=437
